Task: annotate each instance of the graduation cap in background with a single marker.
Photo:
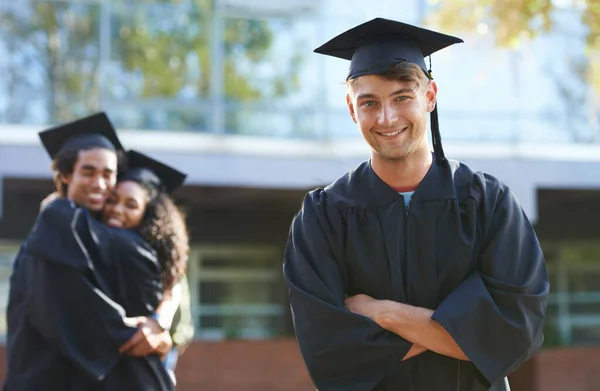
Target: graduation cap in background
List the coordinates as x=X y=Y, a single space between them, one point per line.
x=374 y=46
x=94 y=131
x=147 y=171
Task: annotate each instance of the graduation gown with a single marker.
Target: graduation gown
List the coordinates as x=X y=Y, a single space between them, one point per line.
x=73 y=282
x=464 y=249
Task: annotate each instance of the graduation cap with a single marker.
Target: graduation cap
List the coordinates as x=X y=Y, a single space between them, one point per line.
x=94 y=131
x=373 y=47
x=147 y=171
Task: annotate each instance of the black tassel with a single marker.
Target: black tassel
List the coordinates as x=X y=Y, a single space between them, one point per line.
x=436 y=137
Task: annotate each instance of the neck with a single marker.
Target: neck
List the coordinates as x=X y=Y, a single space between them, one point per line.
x=406 y=173
x=95 y=214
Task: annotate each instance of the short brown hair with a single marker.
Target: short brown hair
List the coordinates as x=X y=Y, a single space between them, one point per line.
x=64 y=164
x=405 y=71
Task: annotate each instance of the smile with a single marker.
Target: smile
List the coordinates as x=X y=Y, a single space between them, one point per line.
x=113 y=222
x=391 y=134
x=96 y=197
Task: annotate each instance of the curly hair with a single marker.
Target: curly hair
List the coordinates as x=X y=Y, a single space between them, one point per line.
x=64 y=163
x=163 y=228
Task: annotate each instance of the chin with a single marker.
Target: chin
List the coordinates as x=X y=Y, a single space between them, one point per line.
x=94 y=208
x=392 y=155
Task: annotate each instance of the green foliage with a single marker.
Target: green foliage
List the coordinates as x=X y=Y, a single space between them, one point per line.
x=552 y=337
x=510 y=20
x=160 y=49
x=514 y=21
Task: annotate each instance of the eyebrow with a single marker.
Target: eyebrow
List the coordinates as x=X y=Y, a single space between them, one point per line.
x=373 y=96
x=90 y=167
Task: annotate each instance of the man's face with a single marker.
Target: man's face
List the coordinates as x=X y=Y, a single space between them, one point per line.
x=391 y=115
x=93 y=178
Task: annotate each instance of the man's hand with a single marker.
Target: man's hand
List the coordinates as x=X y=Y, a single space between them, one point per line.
x=49 y=198
x=150 y=338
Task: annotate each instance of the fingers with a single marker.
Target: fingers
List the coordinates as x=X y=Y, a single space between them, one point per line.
x=137 y=337
x=148 y=339
x=135 y=321
x=140 y=350
x=165 y=344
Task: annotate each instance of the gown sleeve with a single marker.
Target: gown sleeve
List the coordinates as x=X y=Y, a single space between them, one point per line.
x=65 y=304
x=496 y=314
x=69 y=311
x=342 y=350
x=118 y=258
x=139 y=273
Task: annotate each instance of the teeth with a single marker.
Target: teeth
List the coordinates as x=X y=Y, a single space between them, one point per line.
x=391 y=134
x=96 y=197
x=114 y=222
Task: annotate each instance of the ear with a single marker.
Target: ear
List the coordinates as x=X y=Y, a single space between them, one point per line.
x=65 y=178
x=431 y=96
x=351 y=107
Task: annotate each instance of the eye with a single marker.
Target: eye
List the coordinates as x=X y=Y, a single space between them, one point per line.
x=369 y=103
x=402 y=98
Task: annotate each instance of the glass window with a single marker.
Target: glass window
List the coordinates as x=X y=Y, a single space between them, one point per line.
x=272 y=82
x=159 y=72
x=573 y=315
x=238 y=293
x=8 y=252
x=247 y=67
x=51 y=60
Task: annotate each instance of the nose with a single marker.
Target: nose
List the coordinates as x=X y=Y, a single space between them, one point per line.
x=99 y=183
x=387 y=116
x=117 y=209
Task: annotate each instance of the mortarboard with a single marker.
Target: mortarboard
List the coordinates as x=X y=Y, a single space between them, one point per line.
x=145 y=170
x=94 y=131
x=374 y=46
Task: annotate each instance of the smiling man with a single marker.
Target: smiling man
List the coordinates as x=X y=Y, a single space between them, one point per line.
x=412 y=272
x=84 y=160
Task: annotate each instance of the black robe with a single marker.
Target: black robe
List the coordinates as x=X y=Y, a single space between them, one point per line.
x=73 y=282
x=464 y=249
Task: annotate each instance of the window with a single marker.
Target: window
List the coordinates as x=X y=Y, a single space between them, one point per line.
x=52 y=58
x=271 y=79
x=573 y=315
x=8 y=252
x=159 y=72
x=237 y=293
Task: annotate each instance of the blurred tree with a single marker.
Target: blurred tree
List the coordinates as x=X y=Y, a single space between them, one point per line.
x=51 y=48
x=160 y=51
x=515 y=20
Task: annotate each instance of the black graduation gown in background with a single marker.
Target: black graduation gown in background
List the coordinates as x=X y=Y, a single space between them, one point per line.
x=64 y=322
x=465 y=250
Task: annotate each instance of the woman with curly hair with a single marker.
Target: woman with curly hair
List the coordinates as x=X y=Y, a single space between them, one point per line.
x=141 y=202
